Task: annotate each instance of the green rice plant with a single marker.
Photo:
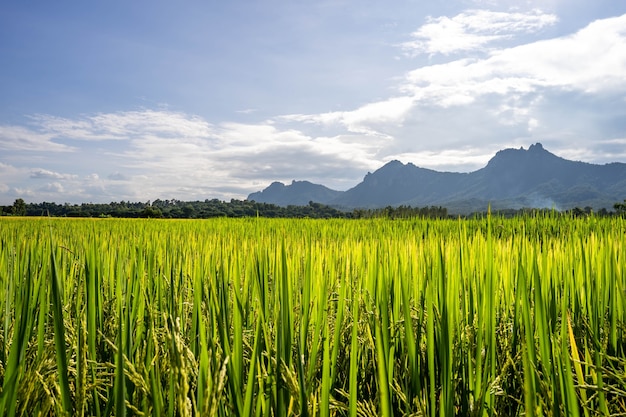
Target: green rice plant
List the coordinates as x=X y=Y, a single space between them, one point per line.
x=268 y=317
x=56 y=292
x=24 y=317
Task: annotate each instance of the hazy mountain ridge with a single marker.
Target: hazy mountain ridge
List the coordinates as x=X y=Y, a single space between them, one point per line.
x=513 y=178
x=299 y=193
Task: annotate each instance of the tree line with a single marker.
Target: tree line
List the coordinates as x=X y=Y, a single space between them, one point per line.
x=176 y=209
x=172 y=209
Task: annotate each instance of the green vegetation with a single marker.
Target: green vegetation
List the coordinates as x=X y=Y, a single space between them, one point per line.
x=263 y=317
x=173 y=209
x=176 y=209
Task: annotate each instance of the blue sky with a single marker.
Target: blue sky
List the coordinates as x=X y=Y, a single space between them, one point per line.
x=194 y=100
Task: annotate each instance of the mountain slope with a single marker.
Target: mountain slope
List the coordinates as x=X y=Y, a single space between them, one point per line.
x=538 y=178
x=299 y=193
x=513 y=178
x=397 y=184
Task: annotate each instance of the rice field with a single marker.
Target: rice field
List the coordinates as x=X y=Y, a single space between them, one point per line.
x=279 y=317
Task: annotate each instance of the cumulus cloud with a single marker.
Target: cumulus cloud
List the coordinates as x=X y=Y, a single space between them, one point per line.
x=591 y=60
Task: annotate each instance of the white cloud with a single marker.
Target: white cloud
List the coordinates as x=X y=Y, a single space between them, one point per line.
x=168 y=123
x=47 y=174
x=238 y=156
x=453 y=160
x=20 y=138
x=123 y=125
x=602 y=151
x=23 y=192
x=593 y=60
x=364 y=119
x=473 y=30
x=6 y=170
x=174 y=155
x=53 y=187
x=9 y=175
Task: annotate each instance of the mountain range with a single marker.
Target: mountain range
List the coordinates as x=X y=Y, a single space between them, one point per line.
x=513 y=178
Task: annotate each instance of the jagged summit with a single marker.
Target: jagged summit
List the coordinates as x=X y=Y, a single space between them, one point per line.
x=393 y=163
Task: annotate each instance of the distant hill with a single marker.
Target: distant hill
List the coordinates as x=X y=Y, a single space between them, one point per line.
x=513 y=178
x=299 y=193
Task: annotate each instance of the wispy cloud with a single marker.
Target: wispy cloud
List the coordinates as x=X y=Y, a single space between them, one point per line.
x=247 y=111
x=473 y=30
x=122 y=125
x=47 y=174
x=21 y=138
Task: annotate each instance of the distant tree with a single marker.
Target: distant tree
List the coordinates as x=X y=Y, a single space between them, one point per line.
x=188 y=211
x=620 y=208
x=151 y=213
x=358 y=213
x=19 y=208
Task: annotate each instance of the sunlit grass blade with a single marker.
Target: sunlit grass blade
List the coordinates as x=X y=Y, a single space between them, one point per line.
x=355 y=350
x=577 y=364
x=14 y=366
x=56 y=291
